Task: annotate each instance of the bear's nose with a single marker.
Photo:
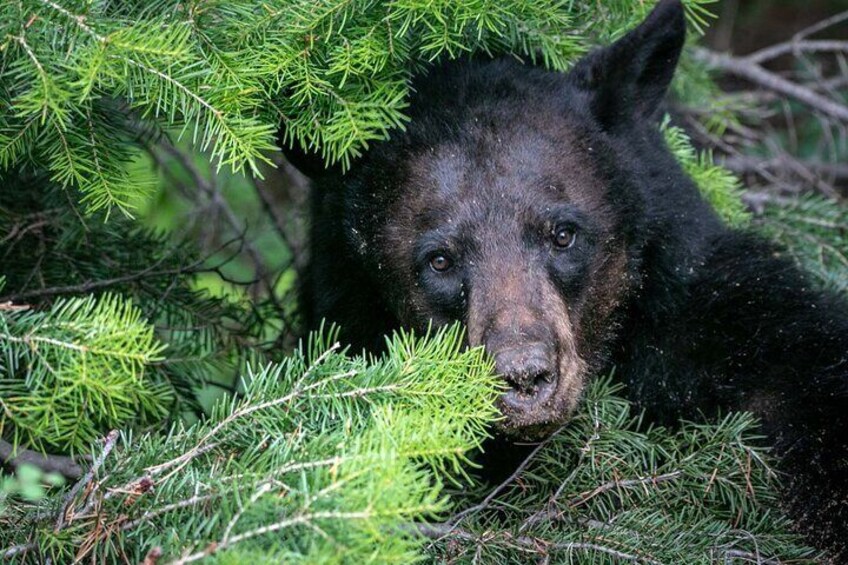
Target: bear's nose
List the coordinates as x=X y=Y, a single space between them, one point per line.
x=527 y=368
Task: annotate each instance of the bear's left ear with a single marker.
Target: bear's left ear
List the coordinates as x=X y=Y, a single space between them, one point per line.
x=629 y=78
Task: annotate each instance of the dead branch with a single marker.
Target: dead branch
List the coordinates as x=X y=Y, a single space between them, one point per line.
x=217 y=200
x=109 y=443
x=821 y=26
x=749 y=70
x=796 y=48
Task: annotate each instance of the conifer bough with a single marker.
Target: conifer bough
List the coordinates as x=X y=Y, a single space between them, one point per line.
x=77 y=77
x=325 y=457
x=332 y=458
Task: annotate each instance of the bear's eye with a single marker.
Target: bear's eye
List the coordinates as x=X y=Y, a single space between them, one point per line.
x=440 y=262
x=564 y=237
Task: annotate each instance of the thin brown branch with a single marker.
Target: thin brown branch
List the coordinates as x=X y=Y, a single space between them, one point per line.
x=289 y=237
x=796 y=48
x=151 y=514
x=750 y=556
x=93 y=285
x=553 y=513
x=220 y=203
x=748 y=164
x=65 y=466
x=460 y=516
x=751 y=71
x=821 y=26
x=627 y=483
x=109 y=443
x=9 y=307
x=14 y=550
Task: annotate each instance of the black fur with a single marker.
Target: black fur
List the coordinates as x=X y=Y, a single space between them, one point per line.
x=698 y=319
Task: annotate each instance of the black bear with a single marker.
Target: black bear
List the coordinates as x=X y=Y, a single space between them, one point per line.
x=544 y=211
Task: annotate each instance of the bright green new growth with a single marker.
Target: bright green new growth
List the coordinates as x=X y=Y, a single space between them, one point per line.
x=68 y=373
x=326 y=458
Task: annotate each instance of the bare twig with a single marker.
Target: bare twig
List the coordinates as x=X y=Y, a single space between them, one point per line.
x=220 y=203
x=753 y=557
x=92 y=285
x=460 y=516
x=109 y=443
x=554 y=514
x=151 y=514
x=796 y=47
x=749 y=164
x=291 y=236
x=821 y=26
x=751 y=71
x=14 y=550
x=627 y=483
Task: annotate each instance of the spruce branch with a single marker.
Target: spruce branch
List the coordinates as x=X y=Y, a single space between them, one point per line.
x=533 y=545
x=484 y=504
x=626 y=496
x=101 y=345
x=362 y=478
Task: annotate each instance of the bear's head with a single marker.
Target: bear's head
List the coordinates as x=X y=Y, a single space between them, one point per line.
x=513 y=202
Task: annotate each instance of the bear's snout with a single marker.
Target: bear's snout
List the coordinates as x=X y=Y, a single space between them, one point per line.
x=531 y=371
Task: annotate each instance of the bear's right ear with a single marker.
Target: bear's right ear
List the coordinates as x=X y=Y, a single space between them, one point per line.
x=629 y=78
x=307 y=162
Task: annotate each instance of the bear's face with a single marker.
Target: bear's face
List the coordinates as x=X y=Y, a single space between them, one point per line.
x=504 y=205
x=511 y=232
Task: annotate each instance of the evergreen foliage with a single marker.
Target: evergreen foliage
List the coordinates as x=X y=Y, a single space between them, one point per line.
x=75 y=75
x=87 y=86
x=720 y=187
x=606 y=489
x=75 y=369
x=326 y=458
x=318 y=457
x=337 y=459
x=131 y=284
x=813 y=230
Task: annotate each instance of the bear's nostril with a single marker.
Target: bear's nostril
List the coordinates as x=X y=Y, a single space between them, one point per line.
x=544 y=376
x=529 y=382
